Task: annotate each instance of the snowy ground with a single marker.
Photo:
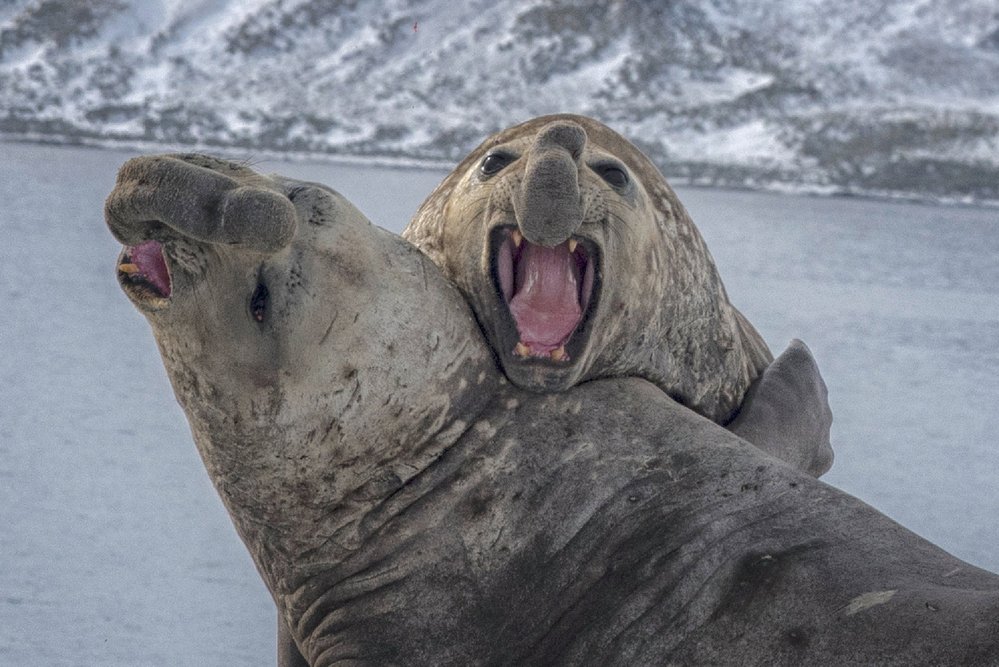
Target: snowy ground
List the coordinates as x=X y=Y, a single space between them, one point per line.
x=114 y=549
x=892 y=96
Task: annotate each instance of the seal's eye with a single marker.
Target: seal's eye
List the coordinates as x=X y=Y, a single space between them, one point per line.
x=494 y=163
x=614 y=175
x=259 y=302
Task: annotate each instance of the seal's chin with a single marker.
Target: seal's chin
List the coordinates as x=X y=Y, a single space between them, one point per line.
x=144 y=274
x=548 y=296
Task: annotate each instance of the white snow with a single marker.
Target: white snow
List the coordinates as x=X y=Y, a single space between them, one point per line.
x=726 y=86
x=480 y=65
x=757 y=141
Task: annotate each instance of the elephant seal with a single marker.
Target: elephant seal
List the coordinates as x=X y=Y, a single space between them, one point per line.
x=561 y=233
x=580 y=262
x=404 y=504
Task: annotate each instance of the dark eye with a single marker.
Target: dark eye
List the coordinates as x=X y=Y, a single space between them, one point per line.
x=494 y=162
x=614 y=175
x=258 y=302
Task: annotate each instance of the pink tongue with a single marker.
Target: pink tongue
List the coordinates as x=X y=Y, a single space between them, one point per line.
x=546 y=305
x=148 y=256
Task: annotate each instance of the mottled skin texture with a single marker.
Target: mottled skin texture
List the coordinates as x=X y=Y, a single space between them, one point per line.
x=661 y=312
x=786 y=412
x=294 y=423
x=405 y=505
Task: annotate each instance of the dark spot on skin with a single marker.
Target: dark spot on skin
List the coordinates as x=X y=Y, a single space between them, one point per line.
x=259 y=302
x=478 y=505
x=683 y=460
x=755 y=578
x=797 y=637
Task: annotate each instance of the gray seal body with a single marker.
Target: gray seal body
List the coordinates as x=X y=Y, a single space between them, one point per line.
x=405 y=504
x=580 y=262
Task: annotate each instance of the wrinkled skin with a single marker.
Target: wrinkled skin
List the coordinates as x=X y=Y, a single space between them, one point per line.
x=657 y=308
x=405 y=505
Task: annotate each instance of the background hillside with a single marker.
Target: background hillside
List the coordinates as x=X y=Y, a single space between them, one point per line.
x=895 y=97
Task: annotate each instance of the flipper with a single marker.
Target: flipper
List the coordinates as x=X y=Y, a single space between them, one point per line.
x=786 y=412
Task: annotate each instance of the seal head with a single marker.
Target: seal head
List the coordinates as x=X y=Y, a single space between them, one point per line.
x=580 y=262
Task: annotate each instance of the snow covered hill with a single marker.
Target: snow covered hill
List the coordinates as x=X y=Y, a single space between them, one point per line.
x=896 y=97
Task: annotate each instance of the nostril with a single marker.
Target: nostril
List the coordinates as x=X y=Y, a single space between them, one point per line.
x=563 y=134
x=549 y=208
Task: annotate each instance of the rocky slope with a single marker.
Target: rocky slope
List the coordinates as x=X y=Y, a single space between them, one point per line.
x=892 y=97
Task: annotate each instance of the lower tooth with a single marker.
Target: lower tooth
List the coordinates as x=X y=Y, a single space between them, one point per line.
x=522 y=350
x=559 y=354
x=128 y=268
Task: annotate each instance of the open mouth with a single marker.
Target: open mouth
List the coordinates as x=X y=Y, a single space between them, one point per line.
x=143 y=271
x=548 y=292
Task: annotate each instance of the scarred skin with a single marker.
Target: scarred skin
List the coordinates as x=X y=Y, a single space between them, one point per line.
x=405 y=505
x=660 y=310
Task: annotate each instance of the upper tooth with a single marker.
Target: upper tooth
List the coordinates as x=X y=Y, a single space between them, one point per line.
x=128 y=268
x=572 y=245
x=517 y=238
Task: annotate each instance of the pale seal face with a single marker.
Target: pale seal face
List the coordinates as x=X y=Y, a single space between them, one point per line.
x=580 y=262
x=261 y=294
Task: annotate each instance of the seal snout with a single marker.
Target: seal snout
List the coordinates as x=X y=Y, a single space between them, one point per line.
x=548 y=207
x=562 y=134
x=544 y=273
x=217 y=207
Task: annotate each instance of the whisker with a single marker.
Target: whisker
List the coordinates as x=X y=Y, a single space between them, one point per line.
x=618 y=226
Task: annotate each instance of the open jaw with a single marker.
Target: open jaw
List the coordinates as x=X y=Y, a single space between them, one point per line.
x=144 y=274
x=548 y=294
